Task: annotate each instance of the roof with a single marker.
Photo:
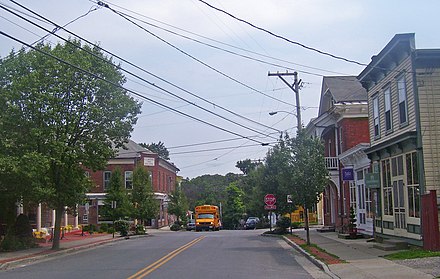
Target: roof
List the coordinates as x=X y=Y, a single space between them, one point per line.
x=130 y=150
x=340 y=90
x=345 y=88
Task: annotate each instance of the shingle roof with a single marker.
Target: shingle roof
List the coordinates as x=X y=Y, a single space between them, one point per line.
x=131 y=150
x=345 y=88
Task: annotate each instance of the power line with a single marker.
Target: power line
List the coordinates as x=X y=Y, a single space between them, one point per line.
x=123 y=88
x=191 y=56
x=145 y=71
x=152 y=84
x=284 y=38
x=213 y=40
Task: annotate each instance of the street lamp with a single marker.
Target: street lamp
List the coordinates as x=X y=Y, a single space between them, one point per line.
x=275 y=112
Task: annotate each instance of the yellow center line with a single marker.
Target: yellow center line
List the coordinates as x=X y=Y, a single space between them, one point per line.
x=152 y=267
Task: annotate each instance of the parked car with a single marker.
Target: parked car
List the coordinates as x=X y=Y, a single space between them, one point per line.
x=191 y=225
x=251 y=223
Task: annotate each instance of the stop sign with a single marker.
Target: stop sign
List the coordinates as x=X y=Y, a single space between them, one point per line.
x=270 y=199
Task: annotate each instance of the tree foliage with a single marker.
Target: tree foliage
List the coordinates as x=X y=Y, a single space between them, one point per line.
x=178 y=205
x=145 y=206
x=117 y=194
x=234 y=209
x=62 y=118
x=246 y=166
x=158 y=148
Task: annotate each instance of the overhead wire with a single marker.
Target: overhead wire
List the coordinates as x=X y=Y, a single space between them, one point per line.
x=144 y=80
x=192 y=56
x=282 y=37
x=128 y=90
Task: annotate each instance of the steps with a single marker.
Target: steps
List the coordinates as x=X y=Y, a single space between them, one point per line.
x=326 y=229
x=391 y=245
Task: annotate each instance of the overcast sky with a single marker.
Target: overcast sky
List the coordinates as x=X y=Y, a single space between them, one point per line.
x=222 y=64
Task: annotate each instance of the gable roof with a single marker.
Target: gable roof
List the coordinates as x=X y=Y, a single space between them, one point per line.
x=340 y=89
x=130 y=150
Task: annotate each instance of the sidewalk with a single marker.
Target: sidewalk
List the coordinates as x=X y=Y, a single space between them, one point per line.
x=72 y=242
x=362 y=260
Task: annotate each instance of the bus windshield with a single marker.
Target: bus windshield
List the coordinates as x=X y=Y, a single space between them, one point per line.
x=206 y=216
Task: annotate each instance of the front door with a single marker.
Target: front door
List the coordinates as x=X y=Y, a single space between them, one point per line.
x=399 y=207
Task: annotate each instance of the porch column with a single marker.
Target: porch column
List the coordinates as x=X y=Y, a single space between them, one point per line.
x=66 y=221
x=39 y=217
x=75 y=221
x=53 y=218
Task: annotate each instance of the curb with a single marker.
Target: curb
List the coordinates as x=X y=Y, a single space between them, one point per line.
x=314 y=260
x=50 y=254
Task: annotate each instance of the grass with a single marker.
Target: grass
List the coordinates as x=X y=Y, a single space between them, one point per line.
x=307 y=248
x=412 y=253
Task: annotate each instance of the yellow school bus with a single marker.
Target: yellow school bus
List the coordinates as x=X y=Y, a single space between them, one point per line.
x=207 y=218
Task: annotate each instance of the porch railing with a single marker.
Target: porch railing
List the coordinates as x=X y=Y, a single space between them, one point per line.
x=332 y=163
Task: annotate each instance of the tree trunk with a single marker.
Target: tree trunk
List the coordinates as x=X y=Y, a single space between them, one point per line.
x=59 y=211
x=306 y=224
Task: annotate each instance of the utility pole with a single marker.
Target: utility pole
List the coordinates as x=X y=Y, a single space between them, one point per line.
x=295 y=88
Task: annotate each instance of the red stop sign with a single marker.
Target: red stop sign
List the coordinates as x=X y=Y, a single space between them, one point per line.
x=270 y=199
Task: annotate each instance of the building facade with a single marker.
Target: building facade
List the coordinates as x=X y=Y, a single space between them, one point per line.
x=163 y=176
x=341 y=124
x=403 y=85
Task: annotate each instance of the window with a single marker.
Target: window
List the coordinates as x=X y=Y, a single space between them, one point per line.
x=128 y=180
x=403 y=110
x=352 y=185
x=387 y=188
x=412 y=173
x=106 y=178
x=388 y=115
x=376 y=117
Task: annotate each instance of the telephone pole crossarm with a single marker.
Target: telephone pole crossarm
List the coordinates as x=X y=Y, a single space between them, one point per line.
x=295 y=88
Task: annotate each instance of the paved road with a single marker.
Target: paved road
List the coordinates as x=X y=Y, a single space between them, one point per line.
x=223 y=254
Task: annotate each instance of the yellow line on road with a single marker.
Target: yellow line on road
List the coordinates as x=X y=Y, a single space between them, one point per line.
x=152 y=267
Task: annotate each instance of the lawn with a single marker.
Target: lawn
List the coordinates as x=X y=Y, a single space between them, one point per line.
x=412 y=253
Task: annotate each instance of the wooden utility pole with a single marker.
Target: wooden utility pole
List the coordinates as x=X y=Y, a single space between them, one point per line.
x=295 y=88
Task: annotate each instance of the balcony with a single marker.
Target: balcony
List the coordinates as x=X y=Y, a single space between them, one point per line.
x=332 y=163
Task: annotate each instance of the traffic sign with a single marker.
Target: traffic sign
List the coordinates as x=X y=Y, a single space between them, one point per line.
x=270 y=207
x=270 y=199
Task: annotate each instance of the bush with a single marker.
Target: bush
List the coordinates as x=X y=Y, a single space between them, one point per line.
x=122 y=227
x=103 y=227
x=296 y=225
x=20 y=236
x=111 y=230
x=283 y=224
x=140 y=229
x=176 y=226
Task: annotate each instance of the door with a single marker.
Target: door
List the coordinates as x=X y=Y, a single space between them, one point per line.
x=399 y=207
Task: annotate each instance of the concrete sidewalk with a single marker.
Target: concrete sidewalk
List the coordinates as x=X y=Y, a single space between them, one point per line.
x=72 y=242
x=362 y=260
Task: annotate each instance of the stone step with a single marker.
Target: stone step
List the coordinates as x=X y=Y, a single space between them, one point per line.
x=326 y=229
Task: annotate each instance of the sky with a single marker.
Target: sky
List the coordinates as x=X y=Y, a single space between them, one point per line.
x=204 y=71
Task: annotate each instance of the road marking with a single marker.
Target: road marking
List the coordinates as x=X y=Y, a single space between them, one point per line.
x=152 y=267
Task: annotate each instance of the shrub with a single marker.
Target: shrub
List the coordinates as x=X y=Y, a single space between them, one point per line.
x=140 y=229
x=283 y=224
x=296 y=225
x=20 y=236
x=176 y=226
x=122 y=227
x=103 y=227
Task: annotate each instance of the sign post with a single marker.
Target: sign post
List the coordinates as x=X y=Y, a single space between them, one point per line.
x=270 y=200
x=290 y=202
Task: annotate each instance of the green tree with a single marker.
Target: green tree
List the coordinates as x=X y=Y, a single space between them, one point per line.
x=234 y=208
x=158 y=148
x=117 y=194
x=145 y=205
x=309 y=174
x=178 y=205
x=246 y=166
x=63 y=117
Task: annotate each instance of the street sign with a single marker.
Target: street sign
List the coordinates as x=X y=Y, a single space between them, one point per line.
x=270 y=199
x=270 y=207
x=289 y=199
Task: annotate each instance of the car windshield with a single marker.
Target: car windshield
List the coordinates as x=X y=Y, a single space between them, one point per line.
x=206 y=216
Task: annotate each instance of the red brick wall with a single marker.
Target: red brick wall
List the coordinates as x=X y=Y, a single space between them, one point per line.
x=354 y=131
